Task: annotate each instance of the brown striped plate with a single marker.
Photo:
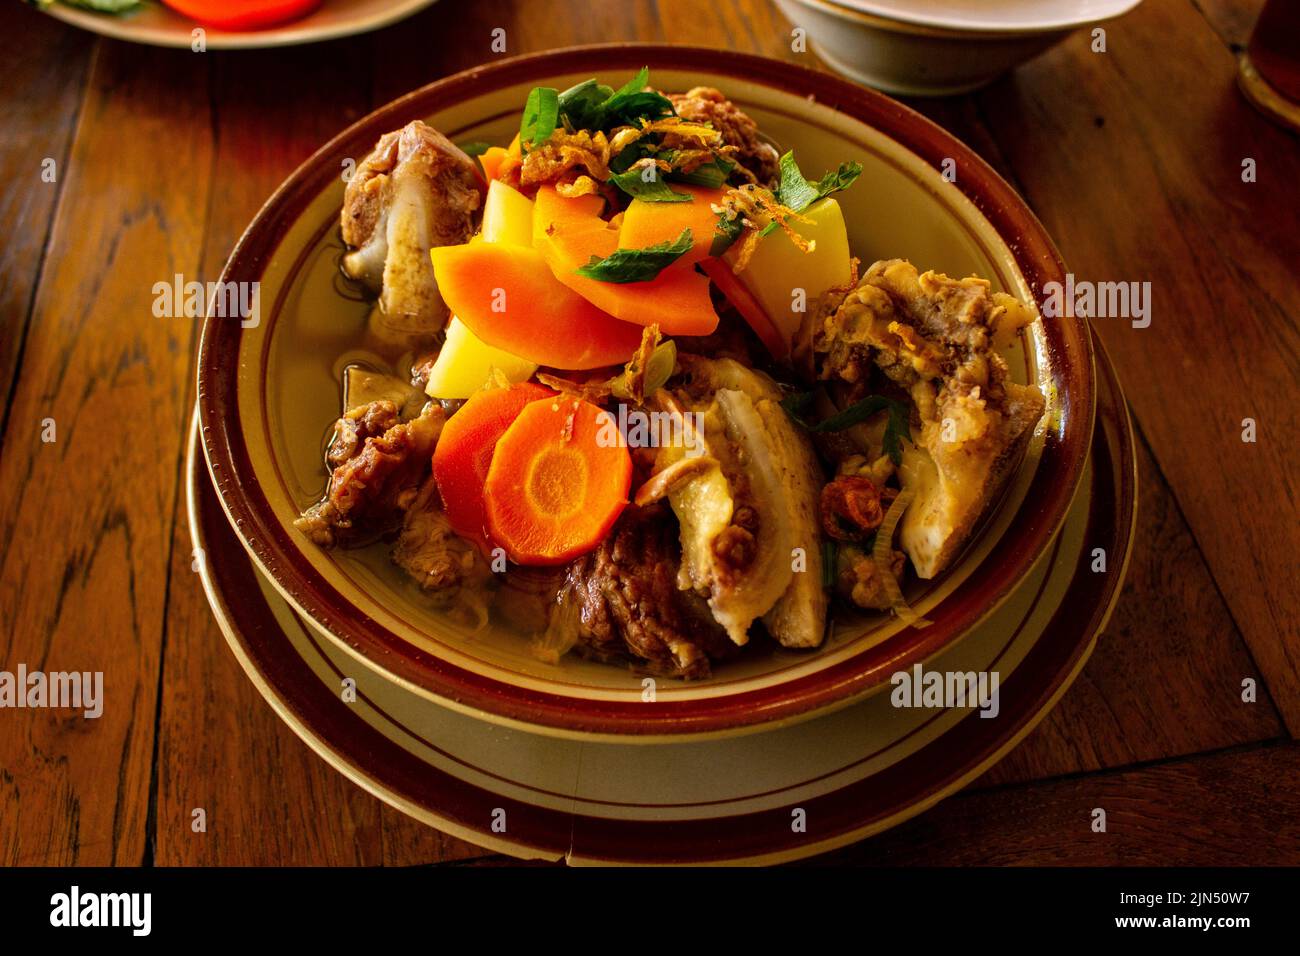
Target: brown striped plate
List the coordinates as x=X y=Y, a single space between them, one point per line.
x=267 y=395
x=845 y=775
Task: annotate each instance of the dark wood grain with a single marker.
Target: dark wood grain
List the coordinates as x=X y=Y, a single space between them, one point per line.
x=260 y=787
x=169 y=154
x=1135 y=166
x=1206 y=810
x=1229 y=808
x=1233 y=20
x=85 y=520
x=409 y=843
x=1166 y=677
x=46 y=74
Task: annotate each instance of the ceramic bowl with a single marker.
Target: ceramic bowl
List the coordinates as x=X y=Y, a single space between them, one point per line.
x=269 y=392
x=941 y=48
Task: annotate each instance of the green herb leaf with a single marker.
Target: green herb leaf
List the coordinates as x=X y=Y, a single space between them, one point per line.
x=632 y=102
x=594 y=106
x=798 y=193
x=629 y=155
x=474 y=147
x=727 y=232
x=856 y=413
x=638 y=265
x=580 y=105
x=794 y=191
x=659 y=368
x=651 y=190
x=896 y=432
x=100 y=6
x=628 y=110
x=636 y=84
x=541 y=113
x=795 y=404
x=712 y=175
x=897 y=428
x=830 y=560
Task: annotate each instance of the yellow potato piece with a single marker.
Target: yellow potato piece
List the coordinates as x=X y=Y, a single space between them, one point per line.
x=778 y=267
x=507 y=216
x=466 y=362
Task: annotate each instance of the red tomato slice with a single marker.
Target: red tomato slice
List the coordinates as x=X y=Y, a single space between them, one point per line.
x=243 y=14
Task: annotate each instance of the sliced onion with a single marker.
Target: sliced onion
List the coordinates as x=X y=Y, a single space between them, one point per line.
x=472 y=611
x=882 y=551
x=561 y=631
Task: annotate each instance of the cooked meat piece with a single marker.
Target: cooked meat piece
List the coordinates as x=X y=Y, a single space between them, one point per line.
x=433 y=554
x=415 y=191
x=378 y=465
x=630 y=606
x=858 y=579
x=879 y=471
x=915 y=328
x=421 y=368
x=351 y=431
x=703 y=104
x=750 y=539
x=938 y=338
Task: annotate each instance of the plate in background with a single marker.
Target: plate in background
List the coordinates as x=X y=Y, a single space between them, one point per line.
x=158 y=25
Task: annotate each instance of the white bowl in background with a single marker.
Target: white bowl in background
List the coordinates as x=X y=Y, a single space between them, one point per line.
x=941 y=47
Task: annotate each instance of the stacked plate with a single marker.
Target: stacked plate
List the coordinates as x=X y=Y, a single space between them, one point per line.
x=941 y=46
x=781 y=754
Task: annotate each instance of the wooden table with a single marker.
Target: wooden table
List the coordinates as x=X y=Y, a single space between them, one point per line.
x=1133 y=160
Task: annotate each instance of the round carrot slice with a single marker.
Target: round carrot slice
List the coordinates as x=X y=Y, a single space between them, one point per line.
x=558 y=481
x=464 y=451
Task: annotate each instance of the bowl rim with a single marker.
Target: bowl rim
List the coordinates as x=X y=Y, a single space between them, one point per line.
x=896 y=18
x=280 y=557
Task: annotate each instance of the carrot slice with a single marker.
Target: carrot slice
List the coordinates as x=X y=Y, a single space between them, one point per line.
x=558 y=481
x=648 y=223
x=551 y=211
x=508 y=297
x=719 y=271
x=491 y=161
x=570 y=231
x=512 y=158
x=464 y=452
